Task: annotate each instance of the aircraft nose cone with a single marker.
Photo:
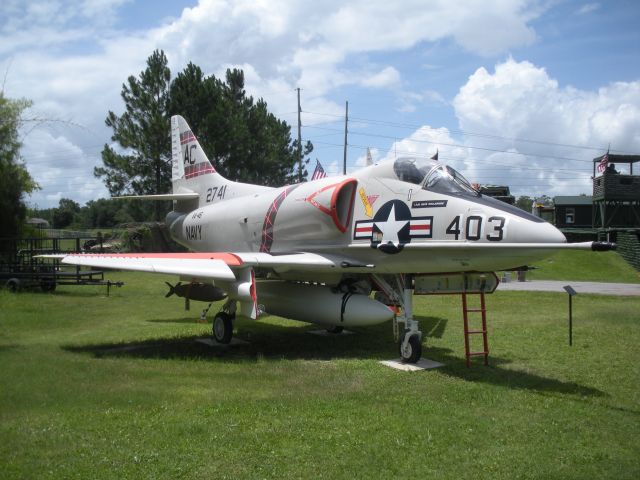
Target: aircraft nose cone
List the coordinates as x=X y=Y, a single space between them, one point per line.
x=559 y=236
x=547 y=233
x=534 y=231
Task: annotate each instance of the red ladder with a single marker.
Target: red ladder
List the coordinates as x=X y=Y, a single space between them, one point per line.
x=465 y=311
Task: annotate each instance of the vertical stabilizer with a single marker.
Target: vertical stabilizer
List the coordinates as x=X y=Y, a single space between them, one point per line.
x=191 y=169
x=188 y=158
x=192 y=172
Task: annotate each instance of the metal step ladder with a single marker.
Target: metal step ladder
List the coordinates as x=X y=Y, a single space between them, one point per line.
x=467 y=333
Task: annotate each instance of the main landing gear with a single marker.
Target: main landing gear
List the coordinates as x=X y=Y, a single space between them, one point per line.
x=222 y=327
x=406 y=330
x=223 y=322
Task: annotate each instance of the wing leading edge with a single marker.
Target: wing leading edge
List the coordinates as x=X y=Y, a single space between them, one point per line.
x=211 y=266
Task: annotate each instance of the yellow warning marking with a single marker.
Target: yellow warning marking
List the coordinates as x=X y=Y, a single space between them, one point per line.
x=368 y=210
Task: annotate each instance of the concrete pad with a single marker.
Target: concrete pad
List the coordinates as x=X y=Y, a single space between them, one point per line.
x=423 y=364
x=622 y=289
x=212 y=343
x=324 y=333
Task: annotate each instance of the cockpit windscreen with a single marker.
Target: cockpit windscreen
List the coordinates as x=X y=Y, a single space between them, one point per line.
x=445 y=179
x=413 y=170
x=432 y=175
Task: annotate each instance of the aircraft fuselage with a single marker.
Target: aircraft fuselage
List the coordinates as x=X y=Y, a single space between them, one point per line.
x=371 y=220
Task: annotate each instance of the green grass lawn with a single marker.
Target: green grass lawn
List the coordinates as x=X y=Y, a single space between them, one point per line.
x=586 y=266
x=116 y=387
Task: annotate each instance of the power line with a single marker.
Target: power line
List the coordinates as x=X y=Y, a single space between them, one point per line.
x=469 y=134
x=425 y=155
x=455 y=145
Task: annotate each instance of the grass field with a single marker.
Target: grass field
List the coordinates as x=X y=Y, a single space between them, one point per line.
x=116 y=387
x=579 y=265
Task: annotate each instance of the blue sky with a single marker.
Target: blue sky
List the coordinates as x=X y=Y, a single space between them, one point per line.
x=517 y=92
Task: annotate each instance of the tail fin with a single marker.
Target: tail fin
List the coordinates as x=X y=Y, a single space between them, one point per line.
x=193 y=176
x=189 y=162
x=194 y=180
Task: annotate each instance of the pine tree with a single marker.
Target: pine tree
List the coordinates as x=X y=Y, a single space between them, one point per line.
x=142 y=131
x=243 y=140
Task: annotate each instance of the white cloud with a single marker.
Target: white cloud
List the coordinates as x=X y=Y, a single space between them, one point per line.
x=527 y=128
x=61 y=168
x=479 y=26
x=489 y=28
x=308 y=43
x=411 y=101
x=71 y=58
x=521 y=102
x=387 y=77
x=54 y=24
x=425 y=142
x=588 y=8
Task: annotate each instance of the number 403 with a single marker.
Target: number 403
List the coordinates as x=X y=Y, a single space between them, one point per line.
x=473 y=228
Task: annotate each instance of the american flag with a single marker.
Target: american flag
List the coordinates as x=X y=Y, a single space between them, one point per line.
x=318 y=172
x=602 y=166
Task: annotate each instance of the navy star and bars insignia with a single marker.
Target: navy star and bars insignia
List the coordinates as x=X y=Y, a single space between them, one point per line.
x=392 y=227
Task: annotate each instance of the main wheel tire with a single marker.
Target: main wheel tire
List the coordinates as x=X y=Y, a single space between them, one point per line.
x=222 y=327
x=413 y=351
x=335 y=329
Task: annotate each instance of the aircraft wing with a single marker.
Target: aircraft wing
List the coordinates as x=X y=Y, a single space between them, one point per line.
x=209 y=267
x=225 y=266
x=232 y=271
x=212 y=266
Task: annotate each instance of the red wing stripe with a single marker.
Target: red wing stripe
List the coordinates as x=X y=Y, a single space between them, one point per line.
x=230 y=259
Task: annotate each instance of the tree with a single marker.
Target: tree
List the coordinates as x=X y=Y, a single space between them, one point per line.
x=143 y=133
x=525 y=203
x=65 y=214
x=199 y=100
x=15 y=181
x=242 y=139
x=104 y=213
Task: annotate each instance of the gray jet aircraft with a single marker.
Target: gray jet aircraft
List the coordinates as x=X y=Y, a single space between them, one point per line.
x=315 y=251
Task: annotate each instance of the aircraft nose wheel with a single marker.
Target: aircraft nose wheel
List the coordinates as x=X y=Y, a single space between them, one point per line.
x=222 y=327
x=411 y=349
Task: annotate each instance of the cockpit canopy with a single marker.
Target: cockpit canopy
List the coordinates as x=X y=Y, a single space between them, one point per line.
x=432 y=175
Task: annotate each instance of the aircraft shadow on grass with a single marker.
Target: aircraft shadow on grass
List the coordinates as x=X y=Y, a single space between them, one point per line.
x=275 y=342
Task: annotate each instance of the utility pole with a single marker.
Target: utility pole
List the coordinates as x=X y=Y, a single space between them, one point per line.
x=299 y=139
x=346 y=121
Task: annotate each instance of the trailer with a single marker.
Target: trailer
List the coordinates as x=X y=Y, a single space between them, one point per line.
x=22 y=268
